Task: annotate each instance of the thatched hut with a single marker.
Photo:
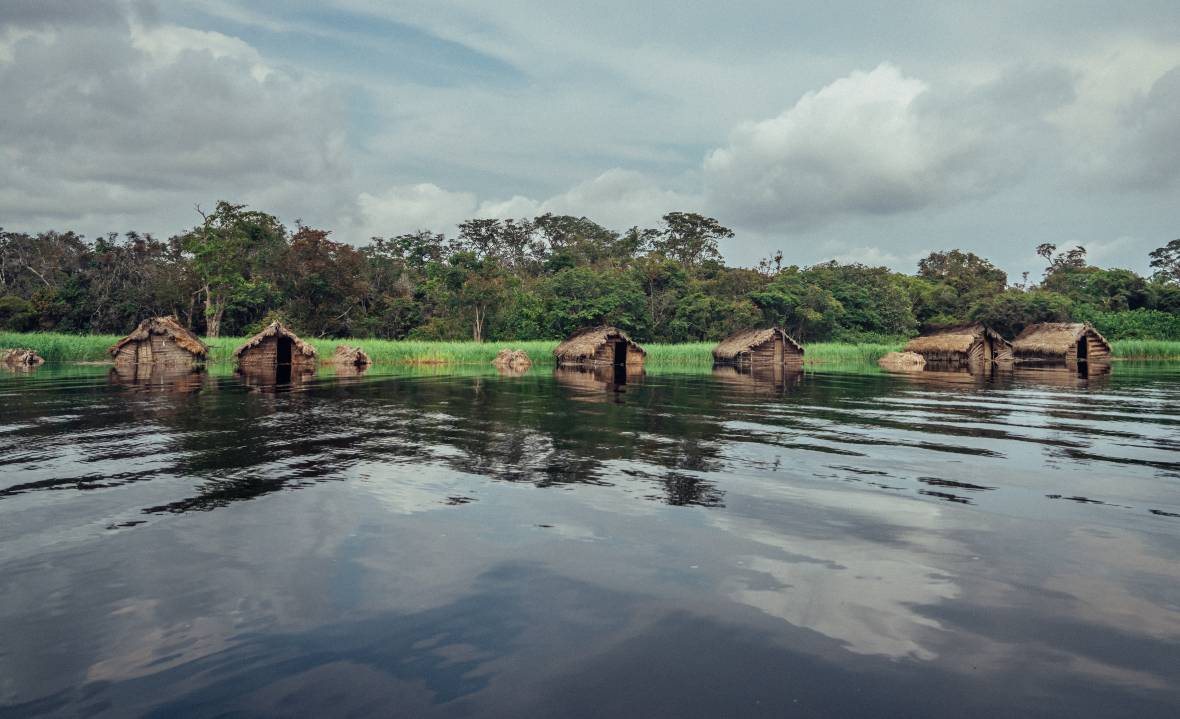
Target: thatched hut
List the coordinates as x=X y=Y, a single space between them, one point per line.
x=160 y=340
x=20 y=358
x=771 y=347
x=512 y=362
x=349 y=356
x=599 y=346
x=1061 y=342
x=969 y=345
x=273 y=347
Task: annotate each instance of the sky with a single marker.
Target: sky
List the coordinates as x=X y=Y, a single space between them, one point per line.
x=871 y=131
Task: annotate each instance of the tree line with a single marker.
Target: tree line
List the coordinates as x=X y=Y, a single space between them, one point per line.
x=542 y=278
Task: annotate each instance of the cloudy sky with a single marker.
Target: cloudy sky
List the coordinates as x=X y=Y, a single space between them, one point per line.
x=874 y=131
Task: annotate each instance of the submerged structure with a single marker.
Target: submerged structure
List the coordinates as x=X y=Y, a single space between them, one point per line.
x=20 y=358
x=275 y=346
x=599 y=346
x=771 y=347
x=160 y=341
x=970 y=345
x=349 y=356
x=1069 y=343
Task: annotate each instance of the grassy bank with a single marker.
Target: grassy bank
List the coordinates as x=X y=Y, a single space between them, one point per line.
x=93 y=348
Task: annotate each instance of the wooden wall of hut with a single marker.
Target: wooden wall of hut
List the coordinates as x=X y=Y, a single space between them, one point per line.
x=270 y=352
x=775 y=352
x=157 y=349
x=606 y=353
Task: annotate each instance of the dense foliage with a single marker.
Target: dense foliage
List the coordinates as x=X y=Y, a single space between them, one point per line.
x=541 y=278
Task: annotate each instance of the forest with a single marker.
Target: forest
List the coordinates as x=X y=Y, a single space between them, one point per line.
x=542 y=278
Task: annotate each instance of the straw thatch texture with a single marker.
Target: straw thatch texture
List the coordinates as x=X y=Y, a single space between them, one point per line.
x=268 y=347
x=1060 y=342
x=349 y=356
x=159 y=340
x=963 y=345
x=902 y=362
x=21 y=358
x=771 y=346
x=512 y=361
x=599 y=346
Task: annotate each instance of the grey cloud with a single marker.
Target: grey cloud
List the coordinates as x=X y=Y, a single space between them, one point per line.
x=56 y=13
x=113 y=122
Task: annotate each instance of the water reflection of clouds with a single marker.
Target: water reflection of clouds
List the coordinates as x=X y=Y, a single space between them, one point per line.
x=851 y=588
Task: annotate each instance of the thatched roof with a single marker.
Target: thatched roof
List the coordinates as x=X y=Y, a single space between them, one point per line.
x=1053 y=338
x=349 y=355
x=902 y=361
x=514 y=360
x=584 y=343
x=953 y=339
x=747 y=340
x=276 y=329
x=185 y=339
x=21 y=357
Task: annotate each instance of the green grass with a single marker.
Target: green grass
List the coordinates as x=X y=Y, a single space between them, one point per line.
x=1146 y=349
x=93 y=348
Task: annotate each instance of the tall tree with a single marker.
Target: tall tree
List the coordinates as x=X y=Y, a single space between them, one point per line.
x=1166 y=262
x=231 y=250
x=690 y=239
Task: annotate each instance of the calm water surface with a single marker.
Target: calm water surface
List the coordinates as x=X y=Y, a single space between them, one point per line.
x=836 y=544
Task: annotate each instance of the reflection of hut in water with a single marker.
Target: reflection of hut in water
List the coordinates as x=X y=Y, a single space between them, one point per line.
x=598 y=384
x=770 y=381
x=1063 y=377
x=771 y=347
x=162 y=341
x=281 y=378
x=273 y=347
x=1069 y=343
x=599 y=346
x=972 y=346
x=167 y=379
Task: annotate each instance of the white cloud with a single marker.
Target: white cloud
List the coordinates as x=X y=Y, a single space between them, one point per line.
x=126 y=121
x=869 y=143
x=407 y=208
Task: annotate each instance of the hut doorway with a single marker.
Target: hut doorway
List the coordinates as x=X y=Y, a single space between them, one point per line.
x=619 y=353
x=284 y=351
x=1083 y=348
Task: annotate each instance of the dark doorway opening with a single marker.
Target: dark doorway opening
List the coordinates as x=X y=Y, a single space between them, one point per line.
x=283 y=356
x=619 y=354
x=1083 y=349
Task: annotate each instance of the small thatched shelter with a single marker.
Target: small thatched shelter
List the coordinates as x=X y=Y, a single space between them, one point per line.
x=771 y=347
x=902 y=362
x=349 y=356
x=597 y=346
x=1061 y=342
x=160 y=340
x=961 y=346
x=273 y=347
x=510 y=361
x=20 y=358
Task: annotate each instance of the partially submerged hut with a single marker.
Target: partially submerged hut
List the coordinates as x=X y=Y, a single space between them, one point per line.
x=20 y=358
x=961 y=346
x=599 y=346
x=349 y=356
x=510 y=361
x=273 y=347
x=771 y=347
x=902 y=361
x=1070 y=343
x=160 y=340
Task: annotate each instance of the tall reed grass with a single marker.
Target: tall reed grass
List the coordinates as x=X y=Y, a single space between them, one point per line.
x=55 y=347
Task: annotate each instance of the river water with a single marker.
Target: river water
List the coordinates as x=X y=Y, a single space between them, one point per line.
x=456 y=544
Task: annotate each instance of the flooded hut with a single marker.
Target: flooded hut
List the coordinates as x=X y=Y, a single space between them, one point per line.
x=771 y=347
x=1069 y=343
x=969 y=345
x=20 y=358
x=349 y=356
x=275 y=346
x=162 y=341
x=600 y=346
